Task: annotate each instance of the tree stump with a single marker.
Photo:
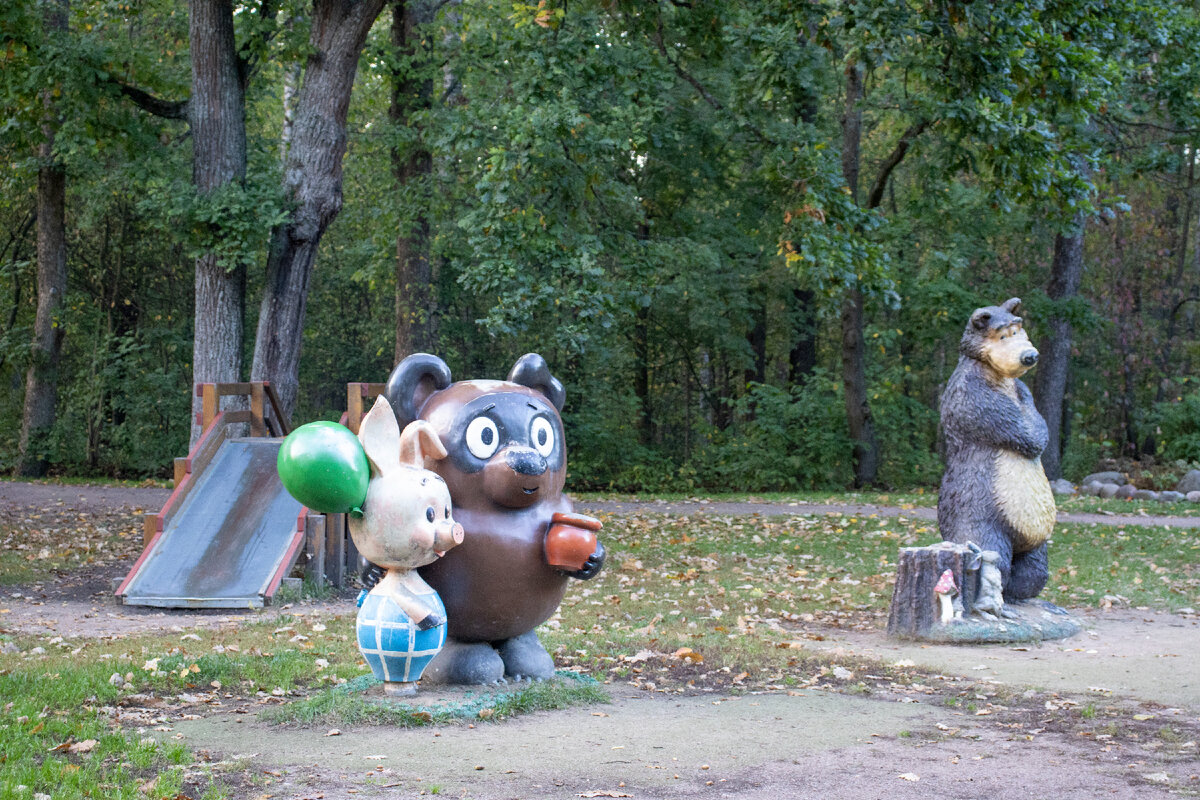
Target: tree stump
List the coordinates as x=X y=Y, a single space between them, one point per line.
x=915 y=611
x=915 y=607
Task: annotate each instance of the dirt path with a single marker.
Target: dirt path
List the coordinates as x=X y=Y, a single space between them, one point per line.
x=768 y=746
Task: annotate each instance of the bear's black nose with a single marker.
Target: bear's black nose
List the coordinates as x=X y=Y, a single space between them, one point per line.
x=525 y=461
x=1028 y=359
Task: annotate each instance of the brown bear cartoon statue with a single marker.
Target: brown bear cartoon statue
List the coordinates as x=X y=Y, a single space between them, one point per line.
x=994 y=492
x=505 y=468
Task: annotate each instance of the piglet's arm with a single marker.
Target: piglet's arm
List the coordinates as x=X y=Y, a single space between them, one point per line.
x=414 y=605
x=988 y=417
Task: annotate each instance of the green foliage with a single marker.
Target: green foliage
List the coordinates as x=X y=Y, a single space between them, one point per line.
x=1177 y=424
x=653 y=196
x=790 y=440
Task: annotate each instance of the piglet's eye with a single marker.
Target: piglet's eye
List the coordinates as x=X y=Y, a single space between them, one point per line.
x=430 y=513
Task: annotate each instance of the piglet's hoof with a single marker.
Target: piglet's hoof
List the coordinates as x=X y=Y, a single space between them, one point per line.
x=431 y=621
x=524 y=657
x=465 y=663
x=399 y=688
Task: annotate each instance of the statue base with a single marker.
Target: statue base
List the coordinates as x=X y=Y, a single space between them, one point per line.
x=943 y=593
x=1029 y=621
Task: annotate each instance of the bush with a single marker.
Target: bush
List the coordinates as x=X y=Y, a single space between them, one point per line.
x=1177 y=425
x=793 y=439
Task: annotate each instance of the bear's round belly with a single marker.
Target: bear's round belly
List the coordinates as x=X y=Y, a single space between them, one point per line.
x=1023 y=496
x=496 y=584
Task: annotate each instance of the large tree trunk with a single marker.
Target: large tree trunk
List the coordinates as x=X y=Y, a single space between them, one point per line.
x=756 y=339
x=217 y=116
x=412 y=92
x=802 y=359
x=41 y=381
x=313 y=182
x=854 y=378
x=854 y=382
x=1066 y=271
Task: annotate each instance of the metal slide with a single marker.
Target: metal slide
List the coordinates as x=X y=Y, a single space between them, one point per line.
x=231 y=541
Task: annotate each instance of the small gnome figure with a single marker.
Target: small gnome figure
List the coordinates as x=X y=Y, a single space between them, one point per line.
x=946 y=591
x=406 y=523
x=989 y=603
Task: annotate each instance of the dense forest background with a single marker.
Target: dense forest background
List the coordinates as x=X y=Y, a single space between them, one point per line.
x=745 y=235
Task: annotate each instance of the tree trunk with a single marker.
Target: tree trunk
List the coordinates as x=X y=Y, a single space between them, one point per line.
x=313 y=182
x=756 y=339
x=217 y=117
x=412 y=92
x=41 y=381
x=854 y=370
x=1177 y=282
x=854 y=381
x=641 y=375
x=1066 y=271
x=802 y=359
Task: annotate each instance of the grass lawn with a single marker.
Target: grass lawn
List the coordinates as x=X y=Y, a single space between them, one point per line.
x=701 y=603
x=918 y=498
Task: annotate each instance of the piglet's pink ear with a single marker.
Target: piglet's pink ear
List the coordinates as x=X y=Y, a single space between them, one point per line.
x=419 y=442
x=380 y=437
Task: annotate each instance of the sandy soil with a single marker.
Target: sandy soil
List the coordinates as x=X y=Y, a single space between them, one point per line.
x=1136 y=669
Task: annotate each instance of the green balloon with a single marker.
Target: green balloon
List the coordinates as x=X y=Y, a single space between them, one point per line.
x=323 y=465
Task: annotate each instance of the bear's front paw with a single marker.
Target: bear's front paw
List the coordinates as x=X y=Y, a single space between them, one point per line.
x=591 y=568
x=430 y=621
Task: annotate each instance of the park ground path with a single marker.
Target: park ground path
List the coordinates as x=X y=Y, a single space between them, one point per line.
x=1137 y=670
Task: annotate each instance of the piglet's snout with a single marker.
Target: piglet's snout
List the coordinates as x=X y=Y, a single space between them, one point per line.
x=447 y=536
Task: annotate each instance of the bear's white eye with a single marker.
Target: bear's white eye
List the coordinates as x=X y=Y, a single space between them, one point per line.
x=542 y=434
x=483 y=438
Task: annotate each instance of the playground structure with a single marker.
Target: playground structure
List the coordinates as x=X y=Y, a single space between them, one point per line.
x=230 y=533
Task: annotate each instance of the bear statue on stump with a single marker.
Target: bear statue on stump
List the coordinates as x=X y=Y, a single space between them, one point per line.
x=995 y=508
x=505 y=469
x=994 y=492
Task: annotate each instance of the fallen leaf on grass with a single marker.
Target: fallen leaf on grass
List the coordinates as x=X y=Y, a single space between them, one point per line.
x=688 y=654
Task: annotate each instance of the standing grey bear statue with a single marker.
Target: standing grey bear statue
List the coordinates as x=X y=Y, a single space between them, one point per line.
x=994 y=491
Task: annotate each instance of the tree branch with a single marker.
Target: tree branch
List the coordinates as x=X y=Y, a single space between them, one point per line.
x=249 y=52
x=699 y=87
x=892 y=161
x=168 y=109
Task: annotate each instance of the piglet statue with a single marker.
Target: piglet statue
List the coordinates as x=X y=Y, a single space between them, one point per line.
x=406 y=523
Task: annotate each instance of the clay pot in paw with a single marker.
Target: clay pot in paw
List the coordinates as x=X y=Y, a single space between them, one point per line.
x=571 y=541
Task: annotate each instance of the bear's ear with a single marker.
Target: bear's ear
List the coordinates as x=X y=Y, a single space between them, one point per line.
x=980 y=319
x=1013 y=306
x=411 y=383
x=531 y=370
